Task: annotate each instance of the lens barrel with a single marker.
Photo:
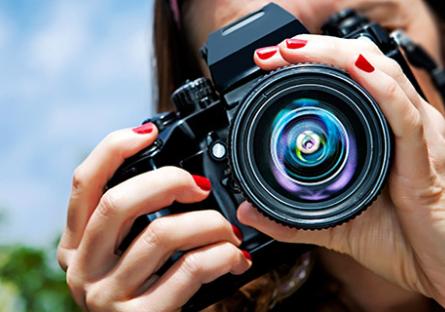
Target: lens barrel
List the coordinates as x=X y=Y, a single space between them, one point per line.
x=310 y=148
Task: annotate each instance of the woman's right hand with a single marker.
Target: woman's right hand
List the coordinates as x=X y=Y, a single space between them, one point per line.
x=101 y=280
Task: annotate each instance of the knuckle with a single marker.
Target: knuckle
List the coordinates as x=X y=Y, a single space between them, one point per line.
x=108 y=204
x=112 y=138
x=190 y=265
x=217 y=218
x=221 y=222
x=79 y=178
x=61 y=258
x=394 y=69
x=175 y=172
x=414 y=122
x=391 y=89
x=172 y=170
x=233 y=252
x=156 y=233
x=181 y=178
x=366 y=44
x=74 y=282
x=98 y=299
x=114 y=143
x=332 y=44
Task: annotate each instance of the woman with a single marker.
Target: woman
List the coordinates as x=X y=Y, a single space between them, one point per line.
x=395 y=250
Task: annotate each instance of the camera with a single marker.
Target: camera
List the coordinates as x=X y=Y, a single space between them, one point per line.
x=305 y=144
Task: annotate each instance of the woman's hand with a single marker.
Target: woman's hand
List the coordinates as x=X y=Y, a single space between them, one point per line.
x=401 y=236
x=101 y=280
x=415 y=18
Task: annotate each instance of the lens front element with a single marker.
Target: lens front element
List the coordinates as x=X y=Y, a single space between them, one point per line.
x=310 y=151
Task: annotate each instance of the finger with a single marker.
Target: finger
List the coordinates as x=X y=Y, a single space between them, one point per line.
x=339 y=53
x=121 y=205
x=186 y=276
x=334 y=51
x=250 y=216
x=324 y=49
x=342 y=53
x=164 y=236
x=411 y=155
x=92 y=175
x=391 y=68
x=434 y=134
x=269 y=58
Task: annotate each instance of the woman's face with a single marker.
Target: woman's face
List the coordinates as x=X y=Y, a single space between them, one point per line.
x=201 y=17
x=221 y=12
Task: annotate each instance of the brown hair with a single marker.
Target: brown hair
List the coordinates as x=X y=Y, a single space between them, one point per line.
x=173 y=65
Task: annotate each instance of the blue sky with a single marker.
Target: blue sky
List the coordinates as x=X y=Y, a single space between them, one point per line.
x=70 y=72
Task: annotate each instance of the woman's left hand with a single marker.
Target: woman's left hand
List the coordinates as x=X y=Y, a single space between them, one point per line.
x=401 y=237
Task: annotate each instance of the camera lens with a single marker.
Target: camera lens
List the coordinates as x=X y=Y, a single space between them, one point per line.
x=311 y=154
x=309 y=147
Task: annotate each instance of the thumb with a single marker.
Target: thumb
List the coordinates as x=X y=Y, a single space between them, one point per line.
x=329 y=238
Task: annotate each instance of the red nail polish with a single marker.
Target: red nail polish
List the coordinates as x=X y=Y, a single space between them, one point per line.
x=267 y=52
x=202 y=182
x=294 y=43
x=144 y=129
x=363 y=64
x=237 y=232
x=247 y=255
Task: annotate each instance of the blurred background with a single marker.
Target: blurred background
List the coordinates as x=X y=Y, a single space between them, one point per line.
x=70 y=72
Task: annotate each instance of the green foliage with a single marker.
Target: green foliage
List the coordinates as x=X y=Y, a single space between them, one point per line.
x=31 y=281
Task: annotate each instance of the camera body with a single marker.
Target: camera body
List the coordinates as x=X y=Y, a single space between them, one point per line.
x=211 y=131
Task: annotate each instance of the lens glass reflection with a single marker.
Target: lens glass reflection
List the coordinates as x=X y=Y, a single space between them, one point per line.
x=311 y=149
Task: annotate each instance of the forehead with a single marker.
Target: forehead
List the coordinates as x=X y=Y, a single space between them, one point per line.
x=201 y=17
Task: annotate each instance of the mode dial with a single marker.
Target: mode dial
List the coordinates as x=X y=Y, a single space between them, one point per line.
x=193 y=95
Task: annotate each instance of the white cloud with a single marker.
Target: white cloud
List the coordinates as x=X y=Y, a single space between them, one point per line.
x=57 y=112
x=111 y=62
x=54 y=47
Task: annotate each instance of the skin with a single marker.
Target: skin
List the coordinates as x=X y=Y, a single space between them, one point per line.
x=399 y=239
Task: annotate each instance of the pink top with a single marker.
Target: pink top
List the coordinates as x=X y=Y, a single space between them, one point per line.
x=175 y=9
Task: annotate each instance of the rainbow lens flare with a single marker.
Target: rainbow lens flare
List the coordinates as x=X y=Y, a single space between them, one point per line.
x=313 y=156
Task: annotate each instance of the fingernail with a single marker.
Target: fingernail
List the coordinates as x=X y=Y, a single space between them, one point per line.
x=202 y=182
x=144 y=129
x=267 y=52
x=294 y=43
x=237 y=232
x=247 y=255
x=363 y=64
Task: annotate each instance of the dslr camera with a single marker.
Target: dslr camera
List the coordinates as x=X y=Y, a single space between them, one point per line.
x=305 y=144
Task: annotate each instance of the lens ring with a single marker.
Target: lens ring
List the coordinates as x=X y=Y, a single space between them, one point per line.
x=375 y=148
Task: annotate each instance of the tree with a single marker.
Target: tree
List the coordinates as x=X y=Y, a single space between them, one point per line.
x=30 y=281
